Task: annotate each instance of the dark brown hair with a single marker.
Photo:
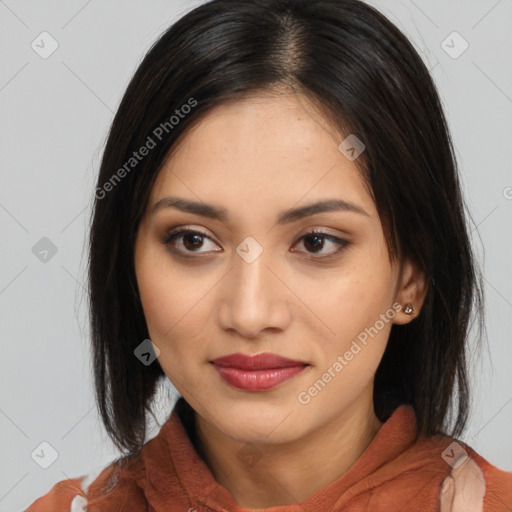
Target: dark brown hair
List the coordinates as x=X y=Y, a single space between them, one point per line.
x=369 y=81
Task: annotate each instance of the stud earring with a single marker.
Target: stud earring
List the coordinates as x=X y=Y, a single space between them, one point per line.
x=409 y=309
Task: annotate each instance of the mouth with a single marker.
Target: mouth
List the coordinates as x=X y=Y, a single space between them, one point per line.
x=264 y=361
x=257 y=373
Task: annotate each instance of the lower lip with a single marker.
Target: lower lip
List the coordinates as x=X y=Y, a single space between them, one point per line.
x=257 y=380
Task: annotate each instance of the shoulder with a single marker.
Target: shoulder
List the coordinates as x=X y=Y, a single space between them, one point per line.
x=60 y=497
x=472 y=483
x=70 y=495
x=447 y=475
x=476 y=485
x=107 y=489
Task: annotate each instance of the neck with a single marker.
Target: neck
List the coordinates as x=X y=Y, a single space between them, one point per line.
x=263 y=475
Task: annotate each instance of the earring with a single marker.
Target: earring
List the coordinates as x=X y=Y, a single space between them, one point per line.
x=409 y=309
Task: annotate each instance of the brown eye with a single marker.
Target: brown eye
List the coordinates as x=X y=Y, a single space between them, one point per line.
x=315 y=241
x=191 y=240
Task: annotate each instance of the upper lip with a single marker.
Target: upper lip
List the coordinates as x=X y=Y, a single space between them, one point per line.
x=257 y=362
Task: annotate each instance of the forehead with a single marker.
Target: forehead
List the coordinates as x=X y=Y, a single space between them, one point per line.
x=260 y=151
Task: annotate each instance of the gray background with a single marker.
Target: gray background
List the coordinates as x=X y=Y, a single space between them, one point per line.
x=55 y=113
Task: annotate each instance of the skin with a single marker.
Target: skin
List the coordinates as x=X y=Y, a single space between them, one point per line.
x=256 y=157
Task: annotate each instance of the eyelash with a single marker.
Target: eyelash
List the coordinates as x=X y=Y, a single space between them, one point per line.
x=171 y=237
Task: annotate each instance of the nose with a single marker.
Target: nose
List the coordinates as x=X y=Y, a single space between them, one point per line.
x=255 y=298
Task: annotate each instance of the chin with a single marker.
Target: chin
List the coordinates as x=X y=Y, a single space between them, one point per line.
x=255 y=423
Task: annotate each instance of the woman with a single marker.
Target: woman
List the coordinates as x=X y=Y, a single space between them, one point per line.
x=279 y=231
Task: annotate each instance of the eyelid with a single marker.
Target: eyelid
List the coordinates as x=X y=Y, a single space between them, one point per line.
x=323 y=230
x=185 y=229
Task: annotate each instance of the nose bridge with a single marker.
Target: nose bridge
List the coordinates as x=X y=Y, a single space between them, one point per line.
x=255 y=298
x=251 y=277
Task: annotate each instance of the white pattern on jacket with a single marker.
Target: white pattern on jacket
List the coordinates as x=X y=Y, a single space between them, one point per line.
x=79 y=502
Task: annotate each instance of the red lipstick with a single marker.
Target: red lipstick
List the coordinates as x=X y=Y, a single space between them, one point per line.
x=257 y=373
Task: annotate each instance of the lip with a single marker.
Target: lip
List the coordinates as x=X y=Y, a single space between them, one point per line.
x=257 y=373
x=265 y=361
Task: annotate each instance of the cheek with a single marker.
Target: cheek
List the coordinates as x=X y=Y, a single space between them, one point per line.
x=175 y=307
x=354 y=297
x=154 y=294
x=157 y=288
x=356 y=305
x=361 y=317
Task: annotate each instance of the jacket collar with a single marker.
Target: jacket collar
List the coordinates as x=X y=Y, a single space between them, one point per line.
x=189 y=474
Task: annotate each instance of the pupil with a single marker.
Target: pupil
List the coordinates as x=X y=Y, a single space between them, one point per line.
x=319 y=241
x=195 y=245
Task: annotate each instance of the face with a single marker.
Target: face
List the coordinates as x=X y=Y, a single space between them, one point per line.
x=319 y=289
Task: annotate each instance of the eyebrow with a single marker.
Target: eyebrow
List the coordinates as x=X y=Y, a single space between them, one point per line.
x=285 y=217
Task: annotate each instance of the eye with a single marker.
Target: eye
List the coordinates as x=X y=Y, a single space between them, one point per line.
x=314 y=241
x=190 y=240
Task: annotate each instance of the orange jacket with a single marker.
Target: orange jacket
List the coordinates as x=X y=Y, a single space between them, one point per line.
x=397 y=472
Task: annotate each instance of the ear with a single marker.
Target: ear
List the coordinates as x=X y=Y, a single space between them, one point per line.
x=412 y=288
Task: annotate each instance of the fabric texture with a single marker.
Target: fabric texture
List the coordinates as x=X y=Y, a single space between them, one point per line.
x=398 y=471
